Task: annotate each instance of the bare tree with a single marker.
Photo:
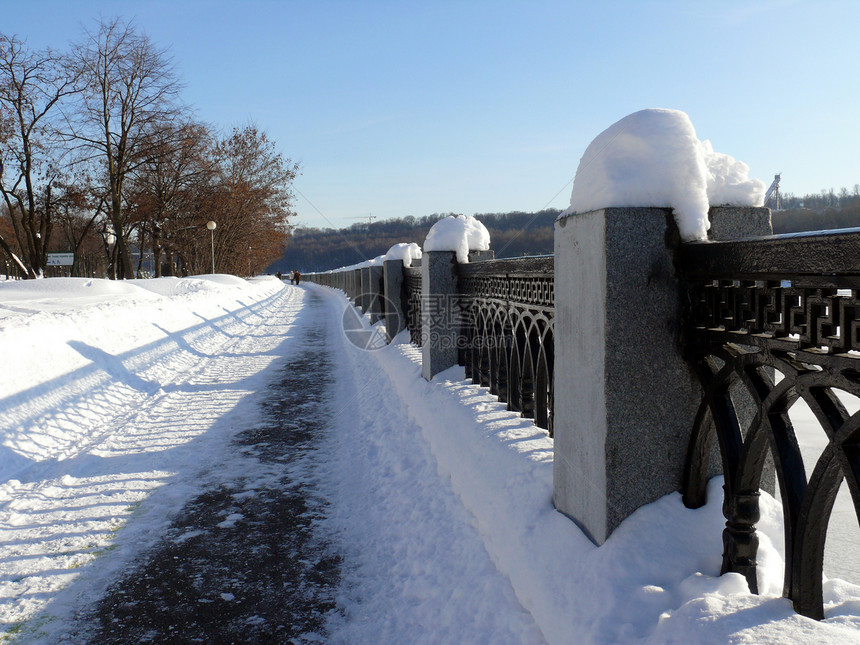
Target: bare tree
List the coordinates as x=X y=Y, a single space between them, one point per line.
x=81 y=209
x=251 y=201
x=31 y=85
x=167 y=183
x=6 y=230
x=129 y=91
x=123 y=162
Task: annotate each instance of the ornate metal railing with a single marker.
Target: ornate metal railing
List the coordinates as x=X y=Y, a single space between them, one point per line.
x=348 y=281
x=412 y=302
x=508 y=308
x=778 y=319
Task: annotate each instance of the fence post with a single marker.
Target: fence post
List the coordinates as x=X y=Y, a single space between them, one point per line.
x=440 y=328
x=395 y=311
x=625 y=399
x=355 y=286
x=375 y=293
x=481 y=256
x=363 y=302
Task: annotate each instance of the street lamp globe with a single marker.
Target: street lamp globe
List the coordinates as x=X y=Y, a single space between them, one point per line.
x=211 y=226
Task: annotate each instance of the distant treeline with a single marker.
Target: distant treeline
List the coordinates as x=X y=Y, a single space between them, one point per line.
x=517 y=234
x=826 y=210
x=314 y=249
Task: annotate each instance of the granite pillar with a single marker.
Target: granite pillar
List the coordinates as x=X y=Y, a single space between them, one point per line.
x=625 y=399
x=375 y=293
x=440 y=322
x=395 y=309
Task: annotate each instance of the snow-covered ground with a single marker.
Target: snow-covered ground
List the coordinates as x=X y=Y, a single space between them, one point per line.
x=117 y=399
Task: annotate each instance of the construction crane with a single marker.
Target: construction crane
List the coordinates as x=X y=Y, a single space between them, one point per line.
x=368 y=217
x=772 y=194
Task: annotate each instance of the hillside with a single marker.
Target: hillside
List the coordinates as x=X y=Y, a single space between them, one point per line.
x=516 y=234
x=313 y=249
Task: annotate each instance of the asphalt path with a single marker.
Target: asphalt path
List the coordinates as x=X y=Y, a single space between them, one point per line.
x=241 y=567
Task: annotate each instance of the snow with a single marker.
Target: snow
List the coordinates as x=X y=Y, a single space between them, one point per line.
x=405 y=251
x=373 y=262
x=653 y=158
x=458 y=233
x=729 y=183
x=440 y=499
x=59 y=292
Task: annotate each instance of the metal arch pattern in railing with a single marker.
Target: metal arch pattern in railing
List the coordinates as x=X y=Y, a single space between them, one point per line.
x=412 y=302
x=508 y=308
x=786 y=304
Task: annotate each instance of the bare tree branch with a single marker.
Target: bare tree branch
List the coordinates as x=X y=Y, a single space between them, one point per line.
x=128 y=87
x=31 y=86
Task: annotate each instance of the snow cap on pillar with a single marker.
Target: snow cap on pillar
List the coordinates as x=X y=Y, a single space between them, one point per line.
x=406 y=252
x=653 y=158
x=459 y=233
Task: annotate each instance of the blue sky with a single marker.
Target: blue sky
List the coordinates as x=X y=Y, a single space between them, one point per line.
x=413 y=108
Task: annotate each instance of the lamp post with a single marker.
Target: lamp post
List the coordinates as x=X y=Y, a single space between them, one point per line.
x=110 y=240
x=211 y=226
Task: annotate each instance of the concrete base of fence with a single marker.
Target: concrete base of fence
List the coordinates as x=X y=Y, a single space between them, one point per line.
x=440 y=324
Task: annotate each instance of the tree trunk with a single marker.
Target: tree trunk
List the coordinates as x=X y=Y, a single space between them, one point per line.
x=14 y=258
x=124 y=269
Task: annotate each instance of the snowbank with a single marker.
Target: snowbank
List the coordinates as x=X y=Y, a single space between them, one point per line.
x=44 y=324
x=115 y=397
x=654 y=158
x=196 y=284
x=461 y=234
x=61 y=292
x=405 y=251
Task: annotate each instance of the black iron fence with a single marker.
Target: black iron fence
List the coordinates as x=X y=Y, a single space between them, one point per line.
x=766 y=323
x=508 y=308
x=777 y=317
x=347 y=280
x=411 y=299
